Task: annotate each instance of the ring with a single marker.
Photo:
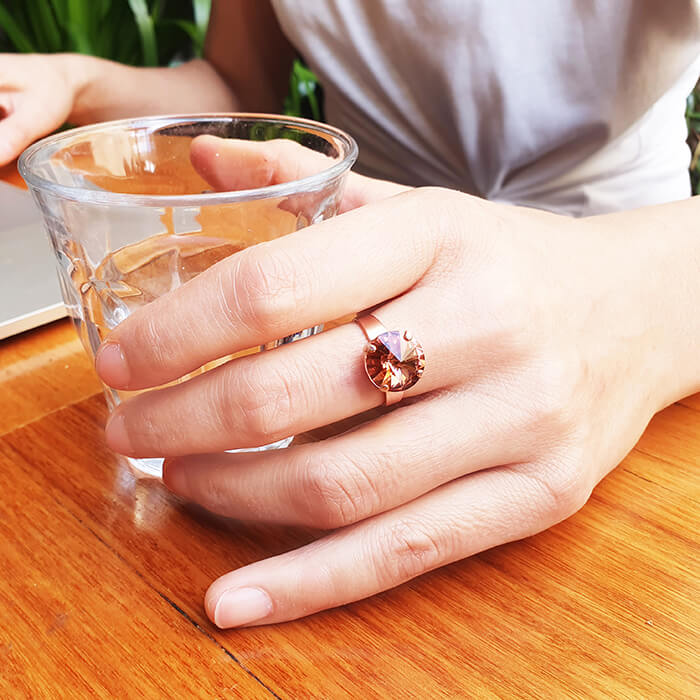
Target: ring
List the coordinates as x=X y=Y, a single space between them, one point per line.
x=394 y=360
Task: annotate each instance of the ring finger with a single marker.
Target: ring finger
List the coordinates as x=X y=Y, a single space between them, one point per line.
x=257 y=399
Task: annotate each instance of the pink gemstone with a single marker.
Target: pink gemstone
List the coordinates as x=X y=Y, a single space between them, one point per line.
x=396 y=363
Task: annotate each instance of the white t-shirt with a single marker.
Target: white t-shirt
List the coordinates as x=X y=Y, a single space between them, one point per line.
x=570 y=105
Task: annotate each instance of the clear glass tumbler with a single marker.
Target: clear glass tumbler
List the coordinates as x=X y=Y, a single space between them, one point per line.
x=130 y=218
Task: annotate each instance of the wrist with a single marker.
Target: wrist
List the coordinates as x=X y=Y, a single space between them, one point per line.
x=104 y=90
x=658 y=266
x=83 y=75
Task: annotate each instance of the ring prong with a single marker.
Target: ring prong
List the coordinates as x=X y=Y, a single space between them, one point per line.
x=370 y=348
x=407 y=335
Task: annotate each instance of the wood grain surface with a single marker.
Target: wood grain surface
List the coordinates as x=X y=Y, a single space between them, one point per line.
x=41 y=371
x=103 y=576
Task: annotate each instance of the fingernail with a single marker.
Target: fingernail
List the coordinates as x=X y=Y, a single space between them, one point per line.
x=117 y=435
x=112 y=366
x=174 y=477
x=241 y=606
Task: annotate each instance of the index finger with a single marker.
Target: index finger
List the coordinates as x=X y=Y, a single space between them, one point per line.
x=277 y=288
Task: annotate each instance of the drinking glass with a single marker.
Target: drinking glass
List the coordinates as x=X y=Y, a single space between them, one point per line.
x=130 y=218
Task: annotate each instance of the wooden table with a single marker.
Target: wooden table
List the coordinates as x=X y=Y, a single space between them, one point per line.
x=102 y=578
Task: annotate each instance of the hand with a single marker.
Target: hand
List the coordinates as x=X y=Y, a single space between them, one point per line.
x=40 y=92
x=539 y=379
x=37 y=92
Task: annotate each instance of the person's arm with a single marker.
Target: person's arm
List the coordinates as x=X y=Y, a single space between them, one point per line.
x=247 y=48
x=247 y=67
x=663 y=249
x=106 y=90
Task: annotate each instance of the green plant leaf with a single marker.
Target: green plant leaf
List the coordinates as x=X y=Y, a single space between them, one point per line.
x=157 y=10
x=121 y=44
x=14 y=32
x=18 y=10
x=302 y=99
x=78 y=26
x=144 y=22
x=190 y=28
x=60 y=9
x=201 y=10
x=44 y=25
x=102 y=8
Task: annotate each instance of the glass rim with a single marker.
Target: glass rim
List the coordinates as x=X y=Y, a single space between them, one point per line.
x=303 y=185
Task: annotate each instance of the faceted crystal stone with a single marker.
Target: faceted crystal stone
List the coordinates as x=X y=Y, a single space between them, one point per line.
x=394 y=361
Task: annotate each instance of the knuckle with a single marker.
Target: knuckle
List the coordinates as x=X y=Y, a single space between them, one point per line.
x=561 y=488
x=144 y=426
x=407 y=548
x=330 y=499
x=222 y=403
x=553 y=398
x=147 y=339
x=447 y=217
x=338 y=490
x=286 y=151
x=432 y=193
x=264 y=289
x=263 y=401
x=207 y=488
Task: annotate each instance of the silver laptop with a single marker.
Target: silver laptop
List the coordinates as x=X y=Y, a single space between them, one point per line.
x=29 y=291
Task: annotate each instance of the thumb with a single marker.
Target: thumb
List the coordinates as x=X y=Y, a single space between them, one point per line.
x=236 y=164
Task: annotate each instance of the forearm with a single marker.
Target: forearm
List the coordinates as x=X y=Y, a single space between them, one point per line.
x=662 y=271
x=248 y=60
x=107 y=90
